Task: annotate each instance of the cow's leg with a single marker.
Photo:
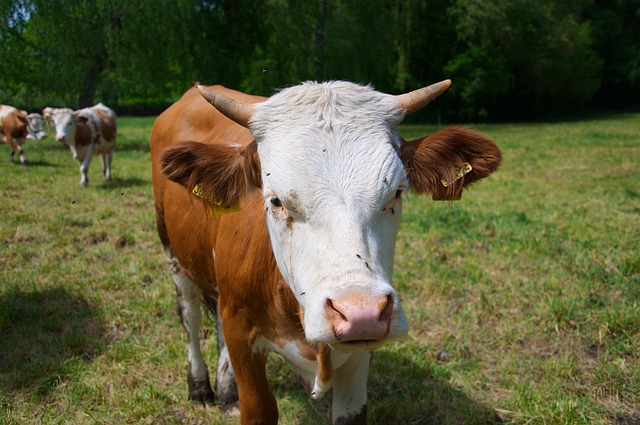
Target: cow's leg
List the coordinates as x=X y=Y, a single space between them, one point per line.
x=226 y=387
x=84 y=167
x=106 y=166
x=257 y=403
x=189 y=301
x=350 y=390
x=15 y=147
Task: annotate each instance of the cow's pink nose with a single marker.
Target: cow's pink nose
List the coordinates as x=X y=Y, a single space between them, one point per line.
x=356 y=318
x=60 y=138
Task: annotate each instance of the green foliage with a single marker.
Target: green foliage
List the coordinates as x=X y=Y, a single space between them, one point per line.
x=523 y=57
x=507 y=58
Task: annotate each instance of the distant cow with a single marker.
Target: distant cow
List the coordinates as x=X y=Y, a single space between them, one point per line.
x=282 y=214
x=47 y=114
x=13 y=130
x=87 y=132
x=35 y=127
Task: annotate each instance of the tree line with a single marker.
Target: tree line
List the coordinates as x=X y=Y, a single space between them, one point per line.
x=508 y=59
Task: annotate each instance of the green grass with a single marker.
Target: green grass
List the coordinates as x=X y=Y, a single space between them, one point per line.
x=523 y=297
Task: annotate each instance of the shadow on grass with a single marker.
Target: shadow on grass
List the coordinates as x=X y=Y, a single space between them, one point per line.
x=118 y=182
x=44 y=336
x=400 y=391
x=39 y=163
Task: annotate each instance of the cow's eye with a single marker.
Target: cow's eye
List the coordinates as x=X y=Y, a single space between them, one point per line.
x=276 y=202
x=399 y=193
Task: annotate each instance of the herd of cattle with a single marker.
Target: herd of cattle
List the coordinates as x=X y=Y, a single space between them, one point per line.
x=86 y=131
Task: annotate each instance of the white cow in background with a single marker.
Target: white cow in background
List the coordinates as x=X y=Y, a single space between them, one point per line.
x=35 y=126
x=87 y=132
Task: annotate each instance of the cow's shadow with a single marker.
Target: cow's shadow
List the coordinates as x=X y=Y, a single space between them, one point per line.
x=400 y=391
x=404 y=390
x=126 y=182
x=40 y=163
x=43 y=335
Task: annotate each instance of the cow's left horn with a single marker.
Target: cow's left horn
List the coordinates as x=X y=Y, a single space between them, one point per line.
x=417 y=99
x=233 y=109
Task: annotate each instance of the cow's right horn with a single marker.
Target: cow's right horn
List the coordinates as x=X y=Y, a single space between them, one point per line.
x=418 y=99
x=239 y=112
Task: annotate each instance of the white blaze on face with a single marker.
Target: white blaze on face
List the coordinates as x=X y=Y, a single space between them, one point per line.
x=332 y=181
x=65 y=125
x=36 y=127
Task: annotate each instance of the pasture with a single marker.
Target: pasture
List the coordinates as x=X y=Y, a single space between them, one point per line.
x=523 y=298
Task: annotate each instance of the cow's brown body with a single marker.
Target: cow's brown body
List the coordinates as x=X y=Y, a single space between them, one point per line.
x=254 y=300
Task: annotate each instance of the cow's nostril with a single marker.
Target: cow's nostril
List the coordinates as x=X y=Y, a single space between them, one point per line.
x=386 y=309
x=335 y=313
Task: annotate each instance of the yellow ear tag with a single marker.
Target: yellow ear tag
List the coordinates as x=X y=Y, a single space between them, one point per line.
x=465 y=169
x=216 y=208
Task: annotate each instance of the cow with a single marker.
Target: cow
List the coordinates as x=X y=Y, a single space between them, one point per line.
x=87 y=132
x=35 y=126
x=13 y=130
x=48 y=113
x=280 y=216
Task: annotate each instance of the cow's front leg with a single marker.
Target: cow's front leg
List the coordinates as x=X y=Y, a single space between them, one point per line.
x=226 y=388
x=84 y=167
x=15 y=147
x=106 y=166
x=257 y=402
x=350 y=390
x=189 y=301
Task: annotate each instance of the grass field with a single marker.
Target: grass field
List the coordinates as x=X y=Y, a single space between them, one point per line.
x=522 y=298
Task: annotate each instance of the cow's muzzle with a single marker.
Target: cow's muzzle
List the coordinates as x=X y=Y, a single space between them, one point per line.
x=357 y=320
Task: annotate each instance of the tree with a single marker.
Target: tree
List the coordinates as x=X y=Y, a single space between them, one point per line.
x=616 y=35
x=523 y=57
x=72 y=52
x=507 y=58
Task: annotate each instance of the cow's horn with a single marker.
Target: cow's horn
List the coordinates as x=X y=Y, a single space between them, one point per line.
x=233 y=109
x=417 y=99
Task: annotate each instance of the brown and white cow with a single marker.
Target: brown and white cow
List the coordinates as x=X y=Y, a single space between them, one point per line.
x=14 y=129
x=87 y=132
x=303 y=267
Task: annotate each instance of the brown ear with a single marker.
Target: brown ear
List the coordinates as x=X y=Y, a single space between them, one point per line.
x=437 y=164
x=224 y=173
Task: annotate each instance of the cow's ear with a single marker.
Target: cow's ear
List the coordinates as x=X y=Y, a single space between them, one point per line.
x=220 y=174
x=445 y=162
x=82 y=119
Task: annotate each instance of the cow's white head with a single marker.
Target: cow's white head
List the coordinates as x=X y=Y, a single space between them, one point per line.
x=66 y=122
x=35 y=127
x=333 y=170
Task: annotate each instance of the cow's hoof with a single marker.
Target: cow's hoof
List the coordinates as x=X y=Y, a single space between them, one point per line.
x=227 y=399
x=201 y=392
x=231 y=410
